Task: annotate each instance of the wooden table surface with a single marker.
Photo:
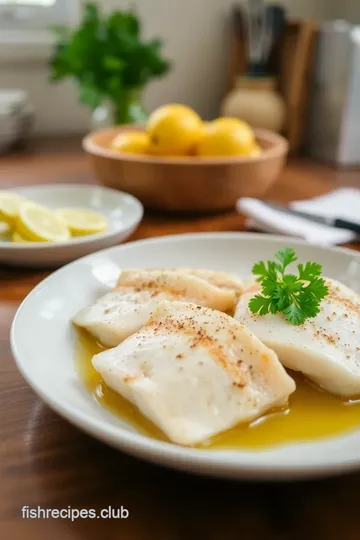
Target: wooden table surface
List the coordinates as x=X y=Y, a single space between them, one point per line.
x=46 y=462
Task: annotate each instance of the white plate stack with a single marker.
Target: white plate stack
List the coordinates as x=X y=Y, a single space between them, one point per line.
x=16 y=117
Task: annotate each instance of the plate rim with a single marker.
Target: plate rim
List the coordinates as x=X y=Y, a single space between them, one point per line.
x=221 y=463
x=81 y=240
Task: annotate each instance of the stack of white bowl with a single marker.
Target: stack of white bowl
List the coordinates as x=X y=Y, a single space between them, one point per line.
x=16 y=117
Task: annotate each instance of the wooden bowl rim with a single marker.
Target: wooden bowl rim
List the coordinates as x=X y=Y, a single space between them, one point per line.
x=279 y=146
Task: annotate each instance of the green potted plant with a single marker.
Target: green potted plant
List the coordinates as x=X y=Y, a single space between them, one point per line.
x=110 y=63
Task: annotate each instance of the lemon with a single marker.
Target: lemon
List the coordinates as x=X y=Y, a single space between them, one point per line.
x=226 y=137
x=254 y=150
x=174 y=130
x=229 y=123
x=131 y=142
x=81 y=221
x=5 y=230
x=9 y=206
x=18 y=238
x=39 y=224
x=233 y=122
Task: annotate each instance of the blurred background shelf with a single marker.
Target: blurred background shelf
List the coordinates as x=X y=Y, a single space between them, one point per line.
x=292 y=62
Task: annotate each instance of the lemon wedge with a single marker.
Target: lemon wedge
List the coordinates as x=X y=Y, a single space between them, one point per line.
x=9 y=206
x=39 y=224
x=82 y=222
x=18 y=238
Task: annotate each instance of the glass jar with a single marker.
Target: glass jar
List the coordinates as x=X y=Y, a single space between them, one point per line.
x=128 y=111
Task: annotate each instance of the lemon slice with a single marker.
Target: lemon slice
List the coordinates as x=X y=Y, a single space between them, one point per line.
x=9 y=206
x=39 y=224
x=5 y=230
x=18 y=238
x=82 y=221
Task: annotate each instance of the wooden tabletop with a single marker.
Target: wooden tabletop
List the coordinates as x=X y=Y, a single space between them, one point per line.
x=46 y=462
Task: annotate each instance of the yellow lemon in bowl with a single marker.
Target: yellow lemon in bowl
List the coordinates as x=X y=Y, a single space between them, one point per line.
x=174 y=130
x=254 y=150
x=131 y=142
x=226 y=137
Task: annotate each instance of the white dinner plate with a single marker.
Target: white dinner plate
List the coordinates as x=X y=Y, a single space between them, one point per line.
x=123 y=211
x=43 y=340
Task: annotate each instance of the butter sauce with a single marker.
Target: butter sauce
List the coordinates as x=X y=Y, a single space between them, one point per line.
x=311 y=413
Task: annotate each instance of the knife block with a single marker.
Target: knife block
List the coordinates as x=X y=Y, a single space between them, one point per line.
x=292 y=63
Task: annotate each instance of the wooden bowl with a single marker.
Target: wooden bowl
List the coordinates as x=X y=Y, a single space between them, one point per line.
x=187 y=183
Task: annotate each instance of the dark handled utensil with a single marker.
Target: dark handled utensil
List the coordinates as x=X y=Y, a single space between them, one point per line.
x=264 y=24
x=256 y=29
x=239 y=25
x=338 y=223
x=275 y=20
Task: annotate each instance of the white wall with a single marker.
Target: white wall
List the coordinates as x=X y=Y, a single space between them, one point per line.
x=348 y=9
x=196 y=37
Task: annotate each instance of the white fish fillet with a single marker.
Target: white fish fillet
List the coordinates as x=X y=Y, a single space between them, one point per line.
x=224 y=280
x=195 y=372
x=123 y=311
x=116 y=315
x=180 y=285
x=326 y=348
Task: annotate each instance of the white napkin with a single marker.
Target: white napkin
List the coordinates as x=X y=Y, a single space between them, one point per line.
x=342 y=203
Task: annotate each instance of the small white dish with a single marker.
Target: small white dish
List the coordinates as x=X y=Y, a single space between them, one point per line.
x=123 y=211
x=42 y=340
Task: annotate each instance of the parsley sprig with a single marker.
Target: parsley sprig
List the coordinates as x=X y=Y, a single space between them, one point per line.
x=297 y=296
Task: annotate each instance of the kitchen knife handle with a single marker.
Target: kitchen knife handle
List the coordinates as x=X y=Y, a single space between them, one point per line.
x=351 y=226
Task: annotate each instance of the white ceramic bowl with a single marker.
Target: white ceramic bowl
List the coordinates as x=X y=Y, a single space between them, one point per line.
x=45 y=354
x=123 y=211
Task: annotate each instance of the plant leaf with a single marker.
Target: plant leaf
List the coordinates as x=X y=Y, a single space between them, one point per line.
x=269 y=286
x=259 y=269
x=309 y=271
x=90 y=96
x=260 y=304
x=112 y=63
x=286 y=256
x=292 y=283
x=91 y=12
x=294 y=314
x=297 y=296
x=106 y=55
x=317 y=287
x=273 y=269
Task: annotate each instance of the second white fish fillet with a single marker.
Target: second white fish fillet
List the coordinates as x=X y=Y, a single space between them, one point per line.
x=122 y=312
x=223 y=280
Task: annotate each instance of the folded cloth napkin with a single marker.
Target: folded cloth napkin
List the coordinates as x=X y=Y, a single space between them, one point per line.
x=342 y=203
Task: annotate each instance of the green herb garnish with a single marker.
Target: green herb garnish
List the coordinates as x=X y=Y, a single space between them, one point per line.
x=297 y=296
x=108 y=57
